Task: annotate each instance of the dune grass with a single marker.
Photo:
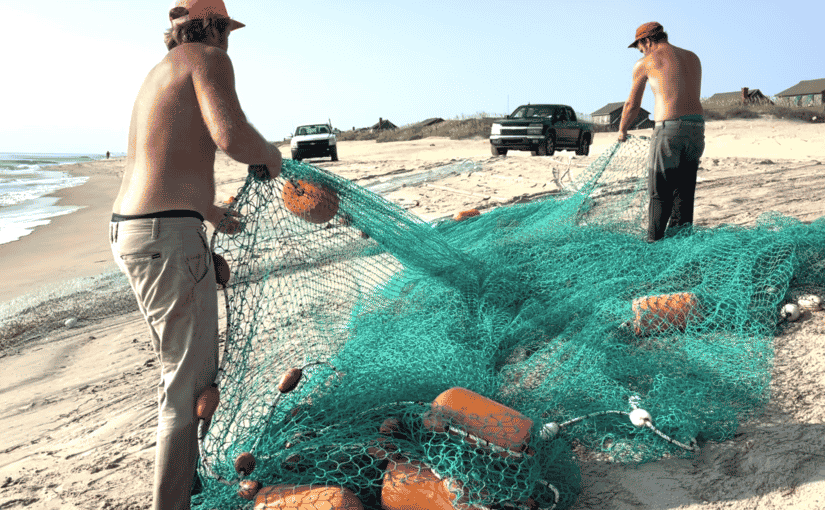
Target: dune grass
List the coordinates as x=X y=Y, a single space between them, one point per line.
x=479 y=126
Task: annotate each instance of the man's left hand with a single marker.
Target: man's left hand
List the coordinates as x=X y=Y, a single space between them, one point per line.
x=226 y=221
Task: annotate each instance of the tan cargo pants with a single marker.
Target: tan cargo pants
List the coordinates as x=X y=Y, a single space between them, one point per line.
x=169 y=266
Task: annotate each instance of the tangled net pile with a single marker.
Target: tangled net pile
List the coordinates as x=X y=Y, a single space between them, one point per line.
x=529 y=305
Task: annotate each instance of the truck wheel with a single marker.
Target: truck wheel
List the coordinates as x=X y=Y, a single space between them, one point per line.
x=498 y=152
x=584 y=146
x=334 y=154
x=548 y=148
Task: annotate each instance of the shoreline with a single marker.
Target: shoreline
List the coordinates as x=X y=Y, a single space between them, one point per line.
x=72 y=245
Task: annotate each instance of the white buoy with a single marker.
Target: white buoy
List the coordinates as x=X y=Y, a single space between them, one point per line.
x=810 y=302
x=640 y=417
x=70 y=322
x=791 y=312
x=549 y=430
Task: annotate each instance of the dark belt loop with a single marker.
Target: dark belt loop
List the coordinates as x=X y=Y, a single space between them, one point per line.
x=155 y=228
x=113 y=232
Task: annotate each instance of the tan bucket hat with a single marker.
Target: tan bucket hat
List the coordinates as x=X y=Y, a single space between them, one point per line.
x=202 y=9
x=647 y=30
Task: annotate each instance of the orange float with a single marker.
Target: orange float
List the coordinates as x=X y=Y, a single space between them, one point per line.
x=410 y=485
x=463 y=215
x=222 y=272
x=480 y=418
x=248 y=489
x=290 y=380
x=245 y=463
x=655 y=314
x=207 y=403
x=311 y=202
x=303 y=497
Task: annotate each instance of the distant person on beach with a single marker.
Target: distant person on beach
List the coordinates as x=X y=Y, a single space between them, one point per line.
x=186 y=108
x=678 y=140
x=107 y=154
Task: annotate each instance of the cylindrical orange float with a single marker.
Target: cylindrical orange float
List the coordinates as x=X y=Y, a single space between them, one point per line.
x=304 y=497
x=479 y=417
x=653 y=314
x=463 y=215
x=311 y=202
x=411 y=485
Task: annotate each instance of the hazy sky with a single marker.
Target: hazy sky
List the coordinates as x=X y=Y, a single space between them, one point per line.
x=72 y=69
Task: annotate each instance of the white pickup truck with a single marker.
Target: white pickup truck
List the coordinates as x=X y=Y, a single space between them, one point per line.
x=314 y=141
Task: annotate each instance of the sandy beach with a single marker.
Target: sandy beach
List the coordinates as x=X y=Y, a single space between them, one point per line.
x=80 y=410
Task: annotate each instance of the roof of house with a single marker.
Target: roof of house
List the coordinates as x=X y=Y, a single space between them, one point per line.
x=805 y=87
x=429 y=122
x=612 y=107
x=726 y=97
x=384 y=124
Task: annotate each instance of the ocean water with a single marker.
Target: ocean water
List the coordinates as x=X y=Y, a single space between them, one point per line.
x=24 y=185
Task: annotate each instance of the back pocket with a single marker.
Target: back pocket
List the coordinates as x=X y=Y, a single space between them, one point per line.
x=198 y=256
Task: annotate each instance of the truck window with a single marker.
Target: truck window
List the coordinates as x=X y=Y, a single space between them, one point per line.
x=520 y=113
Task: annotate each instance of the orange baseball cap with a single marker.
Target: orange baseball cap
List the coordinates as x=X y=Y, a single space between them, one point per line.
x=647 y=30
x=202 y=9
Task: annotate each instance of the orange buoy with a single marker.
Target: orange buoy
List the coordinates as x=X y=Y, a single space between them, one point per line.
x=207 y=403
x=463 y=215
x=311 y=202
x=288 y=497
x=290 y=380
x=411 y=485
x=480 y=418
x=655 y=314
x=245 y=463
x=248 y=489
x=222 y=272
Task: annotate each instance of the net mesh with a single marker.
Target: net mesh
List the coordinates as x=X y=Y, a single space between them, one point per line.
x=558 y=309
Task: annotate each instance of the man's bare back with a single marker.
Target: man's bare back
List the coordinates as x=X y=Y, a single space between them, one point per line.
x=185 y=109
x=675 y=76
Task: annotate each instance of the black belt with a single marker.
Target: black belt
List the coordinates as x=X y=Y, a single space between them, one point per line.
x=174 y=213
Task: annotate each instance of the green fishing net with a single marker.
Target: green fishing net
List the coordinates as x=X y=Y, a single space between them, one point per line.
x=530 y=305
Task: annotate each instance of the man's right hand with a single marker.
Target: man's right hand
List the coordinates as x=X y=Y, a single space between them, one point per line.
x=273 y=164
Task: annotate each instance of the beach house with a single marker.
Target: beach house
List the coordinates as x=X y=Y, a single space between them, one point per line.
x=611 y=115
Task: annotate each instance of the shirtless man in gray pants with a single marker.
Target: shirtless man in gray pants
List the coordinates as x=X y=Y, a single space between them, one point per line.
x=186 y=108
x=678 y=141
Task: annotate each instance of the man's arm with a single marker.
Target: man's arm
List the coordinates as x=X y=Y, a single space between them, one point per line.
x=214 y=81
x=634 y=102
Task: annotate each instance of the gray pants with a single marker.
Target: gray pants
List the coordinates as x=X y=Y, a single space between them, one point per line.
x=170 y=268
x=675 y=149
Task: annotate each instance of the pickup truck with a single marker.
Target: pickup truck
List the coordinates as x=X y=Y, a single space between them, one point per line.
x=314 y=140
x=541 y=129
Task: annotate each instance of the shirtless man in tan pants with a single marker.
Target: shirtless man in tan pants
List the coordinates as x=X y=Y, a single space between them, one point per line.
x=186 y=108
x=678 y=141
